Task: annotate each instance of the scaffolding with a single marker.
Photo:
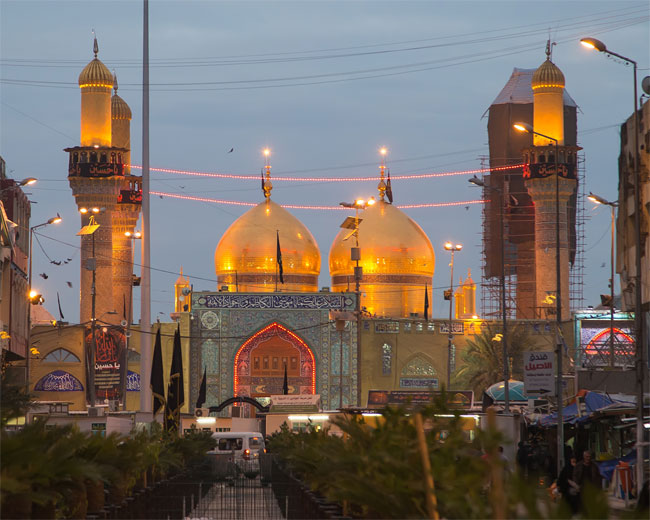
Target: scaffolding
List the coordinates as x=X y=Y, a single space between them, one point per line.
x=519 y=255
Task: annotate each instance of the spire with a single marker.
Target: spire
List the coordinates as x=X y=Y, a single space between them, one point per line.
x=114 y=83
x=548 y=49
x=95 y=46
x=382 y=173
x=267 y=185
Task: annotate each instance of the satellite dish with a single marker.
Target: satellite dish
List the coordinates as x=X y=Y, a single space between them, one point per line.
x=124 y=323
x=645 y=85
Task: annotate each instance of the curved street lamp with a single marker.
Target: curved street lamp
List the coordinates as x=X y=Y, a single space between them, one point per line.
x=525 y=127
x=504 y=337
x=449 y=246
x=599 y=200
x=641 y=343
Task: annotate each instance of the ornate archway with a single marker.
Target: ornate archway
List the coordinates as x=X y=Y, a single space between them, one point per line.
x=260 y=363
x=598 y=350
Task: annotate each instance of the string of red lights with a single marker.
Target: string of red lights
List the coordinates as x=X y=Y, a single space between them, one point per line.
x=304 y=206
x=331 y=179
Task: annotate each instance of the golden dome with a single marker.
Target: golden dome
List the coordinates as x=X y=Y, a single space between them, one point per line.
x=119 y=108
x=397 y=258
x=95 y=74
x=245 y=258
x=547 y=75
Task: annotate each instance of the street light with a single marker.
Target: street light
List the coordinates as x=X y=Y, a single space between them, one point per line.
x=593 y=43
x=355 y=255
x=34 y=297
x=525 y=127
x=25 y=182
x=612 y=205
x=91 y=265
x=453 y=248
x=504 y=338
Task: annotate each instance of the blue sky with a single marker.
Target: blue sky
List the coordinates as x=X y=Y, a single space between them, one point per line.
x=433 y=68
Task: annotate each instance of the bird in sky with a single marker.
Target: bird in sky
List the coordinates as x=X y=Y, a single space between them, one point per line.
x=69 y=284
x=44 y=276
x=231 y=150
x=55 y=262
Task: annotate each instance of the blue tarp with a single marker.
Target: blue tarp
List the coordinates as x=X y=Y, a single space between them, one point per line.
x=593 y=403
x=606 y=467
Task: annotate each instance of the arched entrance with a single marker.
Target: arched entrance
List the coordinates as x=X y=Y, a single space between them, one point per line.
x=260 y=364
x=598 y=350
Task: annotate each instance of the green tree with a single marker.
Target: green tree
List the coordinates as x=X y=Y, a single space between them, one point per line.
x=482 y=360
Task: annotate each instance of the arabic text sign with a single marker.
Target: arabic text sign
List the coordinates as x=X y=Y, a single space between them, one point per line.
x=539 y=373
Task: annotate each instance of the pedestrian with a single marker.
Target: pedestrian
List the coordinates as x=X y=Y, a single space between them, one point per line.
x=586 y=471
x=568 y=486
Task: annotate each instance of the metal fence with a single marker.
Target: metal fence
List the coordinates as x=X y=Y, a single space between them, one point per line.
x=222 y=489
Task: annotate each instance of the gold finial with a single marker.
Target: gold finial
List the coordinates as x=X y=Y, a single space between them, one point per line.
x=382 y=172
x=114 y=82
x=95 y=46
x=181 y=273
x=268 y=186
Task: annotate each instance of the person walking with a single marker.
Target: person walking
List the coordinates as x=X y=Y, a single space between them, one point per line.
x=568 y=487
x=586 y=473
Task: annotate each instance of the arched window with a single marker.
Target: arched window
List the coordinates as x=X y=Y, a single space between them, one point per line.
x=103 y=158
x=386 y=359
x=61 y=355
x=84 y=157
x=113 y=157
x=75 y=157
x=93 y=157
x=542 y=158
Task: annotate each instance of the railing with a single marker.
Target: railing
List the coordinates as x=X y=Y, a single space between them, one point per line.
x=221 y=489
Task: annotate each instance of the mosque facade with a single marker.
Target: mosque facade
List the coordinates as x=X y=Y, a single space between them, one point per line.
x=267 y=328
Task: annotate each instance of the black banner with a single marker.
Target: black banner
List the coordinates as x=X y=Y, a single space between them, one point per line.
x=382 y=398
x=96 y=169
x=542 y=170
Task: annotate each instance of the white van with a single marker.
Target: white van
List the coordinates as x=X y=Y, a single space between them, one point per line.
x=244 y=446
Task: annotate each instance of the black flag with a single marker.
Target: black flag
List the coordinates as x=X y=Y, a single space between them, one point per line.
x=124 y=306
x=389 y=189
x=202 y=390
x=61 y=317
x=285 y=385
x=175 y=388
x=278 y=254
x=262 y=174
x=426 y=302
x=157 y=377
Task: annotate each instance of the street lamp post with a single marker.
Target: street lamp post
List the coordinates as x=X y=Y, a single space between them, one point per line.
x=612 y=205
x=452 y=248
x=53 y=220
x=593 y=43
x=92 y=265
x=524 y=127
x=506 y=368
x=25 y=182
x=355 y=255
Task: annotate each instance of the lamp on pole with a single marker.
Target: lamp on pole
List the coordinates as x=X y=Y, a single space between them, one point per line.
x=25 y=182
x=355 y=256
x=450 y=296
x=92 y=266
x=525 y=127
x=504 y=314
x=593 y=43
x=612 y=205
x=34 y=297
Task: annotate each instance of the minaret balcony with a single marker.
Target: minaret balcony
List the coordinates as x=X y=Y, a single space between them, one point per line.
x=543 y=170
x=95 y=161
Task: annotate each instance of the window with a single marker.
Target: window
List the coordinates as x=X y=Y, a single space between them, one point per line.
x=407 y=326
x=386 y=359
x=256 y=362
x=419 y=326
x=266 y=362
x=230 y=444
x=61 y=355
x=431 y=327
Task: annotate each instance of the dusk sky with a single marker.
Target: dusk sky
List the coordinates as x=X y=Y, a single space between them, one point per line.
x=324 y=85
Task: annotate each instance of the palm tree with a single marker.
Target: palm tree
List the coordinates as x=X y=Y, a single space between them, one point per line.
x=482 y=361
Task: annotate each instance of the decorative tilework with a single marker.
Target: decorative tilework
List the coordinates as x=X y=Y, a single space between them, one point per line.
x=274 y=301
x=418 y=366
x=58 y=381
x=209 y=320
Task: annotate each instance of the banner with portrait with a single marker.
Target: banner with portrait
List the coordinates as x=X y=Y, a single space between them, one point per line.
x=110 y=365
